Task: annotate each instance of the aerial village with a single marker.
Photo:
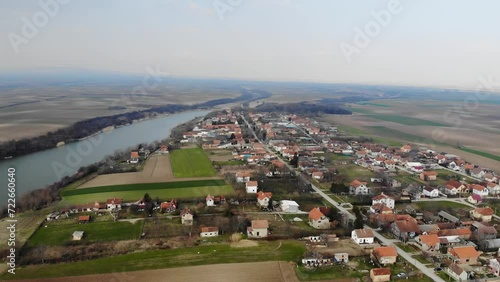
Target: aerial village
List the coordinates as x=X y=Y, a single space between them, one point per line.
x=378 y=211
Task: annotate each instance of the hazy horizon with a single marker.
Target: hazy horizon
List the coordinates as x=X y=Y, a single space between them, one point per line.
x=447 y=44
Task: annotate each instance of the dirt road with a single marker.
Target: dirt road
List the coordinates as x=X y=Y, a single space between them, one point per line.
x=273 y=271
x=157 y=169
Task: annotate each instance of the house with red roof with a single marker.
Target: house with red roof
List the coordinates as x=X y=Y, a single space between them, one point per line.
x=479 y=190
x=463 y=254
x=428 y=175
x=263 y=198
x=168 y=206
x=384 y=255
x=428 y=242
x=84 y=219
x=318 y=220
x=258 y=229
x=359 y=188
x=114 y=204
x=384 y=199
x=380 y=274
x=210 y=201
x=475 y=199
x=209 y=232
x=482 y=214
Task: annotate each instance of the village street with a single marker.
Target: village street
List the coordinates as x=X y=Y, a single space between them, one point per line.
x=428 y=272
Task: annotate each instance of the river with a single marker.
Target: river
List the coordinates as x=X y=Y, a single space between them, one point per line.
x=37 y=170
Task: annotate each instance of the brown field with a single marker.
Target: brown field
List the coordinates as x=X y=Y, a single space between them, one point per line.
x=478 y=131
x=219 y=155
x=55 y=107
x=157 y=169
x=273 y=271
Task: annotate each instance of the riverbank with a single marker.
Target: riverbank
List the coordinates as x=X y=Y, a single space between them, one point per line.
x=46 y=168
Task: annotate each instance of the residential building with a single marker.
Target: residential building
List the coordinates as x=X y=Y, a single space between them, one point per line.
x=482 y=214
x=209 y=232
x=462 y=233
x=494 y=266
x=210 y=201
x=475 y=199
x=405 y=229
x=251 y=186
x=318 y=220
x=463 y=254
x=431 y=192
x=385 y=199
x=384 y=255
x=318 y=175
x=363 y=236
x=258 y=229
x=428 y=242
x=457 y=273
x=243 y=176
x=263 y=198
x=479 y=190
x=341 y=257
x=186 y=217
x=380 y=274
x=428 y=175
x=114 y=204
x=168 y=206
x=359 y=188
x=493 y=188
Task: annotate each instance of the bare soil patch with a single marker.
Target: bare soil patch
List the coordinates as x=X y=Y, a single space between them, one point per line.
x=274 y=271
x=244 y=244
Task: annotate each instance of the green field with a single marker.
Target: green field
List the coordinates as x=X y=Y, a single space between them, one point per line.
x=213 y=254
x=133 y=192
x=405 y=120
x=375 y=104
x=58 y=234
x=191 y=163
x=481 y=153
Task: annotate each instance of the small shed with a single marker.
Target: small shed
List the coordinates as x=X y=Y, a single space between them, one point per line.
x=77 y=235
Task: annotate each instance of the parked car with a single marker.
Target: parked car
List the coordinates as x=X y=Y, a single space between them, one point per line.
x=401 y=275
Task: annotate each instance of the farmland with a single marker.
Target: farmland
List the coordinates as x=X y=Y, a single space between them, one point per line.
x=58 y=234
x=191 y=162
x=212 y=254
x=247 y=272
x=133 y=192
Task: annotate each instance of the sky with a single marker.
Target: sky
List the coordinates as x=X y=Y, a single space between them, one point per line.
x=449 y=43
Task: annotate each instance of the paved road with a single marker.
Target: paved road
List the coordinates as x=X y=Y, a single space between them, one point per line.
x=428 y=272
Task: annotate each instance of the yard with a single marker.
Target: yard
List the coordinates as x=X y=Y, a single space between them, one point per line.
x=351 y=172
x=59 y=234
x=440 y=205
x=134 y=192
x=213 y=254
x=192 y=162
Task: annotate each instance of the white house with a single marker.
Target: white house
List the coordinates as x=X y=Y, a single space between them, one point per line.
x=289 y=206
x=251 y=186
x=114 y=204
x=456 y=272
x=357 y=187
x=258 y=229
x=186 y=217
x=477 y=172
x=318 y=220
x=495 y=266
x=210 y=201
x=242 y=176
x=493 y=188
x=318 y=175
x=390 y=164
x=479 y=190
x=363 y=236
x=384 y=199
x=209 y=232
x=431 y=192
x=263 y=198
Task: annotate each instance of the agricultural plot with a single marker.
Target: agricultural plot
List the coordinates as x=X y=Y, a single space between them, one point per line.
x=133 y=192
x=213 y=254
x=59 y=234
x=191 y=162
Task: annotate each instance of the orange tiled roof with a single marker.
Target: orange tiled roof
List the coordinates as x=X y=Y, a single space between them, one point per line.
x=262 y=195
x=315 y=214
x=429 y=239
x=463 y=252
x=381 y=271
x=387 y=251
